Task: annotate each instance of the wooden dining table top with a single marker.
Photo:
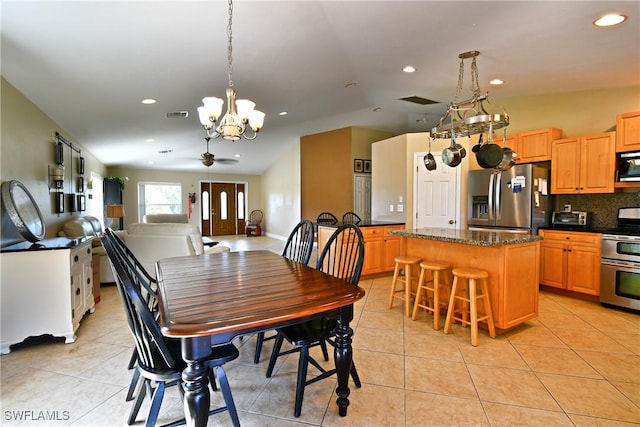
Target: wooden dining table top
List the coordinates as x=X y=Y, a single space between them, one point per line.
x=229 y=292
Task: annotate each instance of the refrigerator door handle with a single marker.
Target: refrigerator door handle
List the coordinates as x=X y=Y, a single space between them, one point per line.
x=498 y=196
x=491 y=204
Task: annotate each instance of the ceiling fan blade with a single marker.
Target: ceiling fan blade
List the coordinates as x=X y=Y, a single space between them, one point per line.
x=227 y=161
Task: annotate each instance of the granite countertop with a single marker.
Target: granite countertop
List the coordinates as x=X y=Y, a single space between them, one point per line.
x=467 y=237
x=365 y=224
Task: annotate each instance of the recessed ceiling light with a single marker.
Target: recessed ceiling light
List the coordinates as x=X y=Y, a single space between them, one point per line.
x=150 y=162
x=236 y=155
x=349 y=85
x=409 y=69
x=283 y=113
x=610 y=19
x=377 y=109
x=149 y=101
x=496 y=82
x=149 y=139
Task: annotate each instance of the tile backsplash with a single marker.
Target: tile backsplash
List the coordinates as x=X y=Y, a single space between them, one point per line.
x=604 y=207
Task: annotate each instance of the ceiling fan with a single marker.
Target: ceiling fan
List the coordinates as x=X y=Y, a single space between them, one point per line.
x=209 y=159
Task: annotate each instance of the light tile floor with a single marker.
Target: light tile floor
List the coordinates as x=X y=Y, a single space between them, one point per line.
x=577 y=364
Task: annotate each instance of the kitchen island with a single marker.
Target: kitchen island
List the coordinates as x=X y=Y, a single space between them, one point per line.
x=512 y=261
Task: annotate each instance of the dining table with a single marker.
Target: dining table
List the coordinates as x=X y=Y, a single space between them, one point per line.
x=209 y=299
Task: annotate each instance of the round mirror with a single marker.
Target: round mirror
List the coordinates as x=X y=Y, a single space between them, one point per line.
x=22 y=210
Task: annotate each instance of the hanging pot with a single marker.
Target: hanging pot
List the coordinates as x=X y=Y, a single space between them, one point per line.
x=508 y=155
x=453 y=154
x=429 y=160
x=489 y=155
x=476 y=147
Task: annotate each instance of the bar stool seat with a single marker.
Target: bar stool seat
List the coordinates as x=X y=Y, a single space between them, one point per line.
x=433 y=285
x=407 y=263
x=470 y=301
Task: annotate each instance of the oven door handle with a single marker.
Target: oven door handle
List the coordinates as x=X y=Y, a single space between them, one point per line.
x=618 y=263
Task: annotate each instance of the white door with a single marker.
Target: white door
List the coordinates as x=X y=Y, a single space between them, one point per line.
x=436 y=194
x=362 y=196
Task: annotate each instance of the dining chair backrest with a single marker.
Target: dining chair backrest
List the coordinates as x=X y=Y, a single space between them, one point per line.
x=144 y=282
x=300 y=242
x=343 y=254
x=153 y=353
x=326 y=218
x=351 y=218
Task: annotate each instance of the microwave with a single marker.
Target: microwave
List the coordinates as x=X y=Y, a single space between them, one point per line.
x=628 y=167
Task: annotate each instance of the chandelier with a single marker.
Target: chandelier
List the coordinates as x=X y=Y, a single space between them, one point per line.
x=470 y=116
x=240 y=113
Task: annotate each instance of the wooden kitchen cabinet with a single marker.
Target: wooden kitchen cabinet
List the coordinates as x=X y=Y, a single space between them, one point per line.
x=535 y=146
x=571 y=260
x=380 y=247
x=584 y=164
x=628 y=132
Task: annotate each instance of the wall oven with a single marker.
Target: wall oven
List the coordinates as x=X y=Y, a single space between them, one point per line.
x=620 y=262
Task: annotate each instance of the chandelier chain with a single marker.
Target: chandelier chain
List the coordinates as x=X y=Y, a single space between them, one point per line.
x=460 y=79
x=229 y=46
x=475 y=84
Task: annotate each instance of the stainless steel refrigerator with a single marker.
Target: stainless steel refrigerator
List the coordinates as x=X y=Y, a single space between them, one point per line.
x=516 y=200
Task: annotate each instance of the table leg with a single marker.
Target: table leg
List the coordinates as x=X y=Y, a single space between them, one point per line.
x=343 y=356
x=196 y=380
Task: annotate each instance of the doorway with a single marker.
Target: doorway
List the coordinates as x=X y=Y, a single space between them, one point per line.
x=436 y=194
x=223 y=208
x=362 y=196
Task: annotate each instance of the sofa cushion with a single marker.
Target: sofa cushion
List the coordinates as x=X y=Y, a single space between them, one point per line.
x=176 y=229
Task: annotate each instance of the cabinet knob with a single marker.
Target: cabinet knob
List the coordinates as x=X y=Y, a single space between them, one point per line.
x=75 y=258
x=78 y=291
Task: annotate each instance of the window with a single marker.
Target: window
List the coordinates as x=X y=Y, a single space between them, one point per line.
x=240 y=205
x=159 y=198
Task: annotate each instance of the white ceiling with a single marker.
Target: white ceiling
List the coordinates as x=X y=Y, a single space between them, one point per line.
x=88 y=64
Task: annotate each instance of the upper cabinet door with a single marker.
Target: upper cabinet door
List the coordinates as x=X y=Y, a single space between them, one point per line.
x=535 y=146
x=628 y=132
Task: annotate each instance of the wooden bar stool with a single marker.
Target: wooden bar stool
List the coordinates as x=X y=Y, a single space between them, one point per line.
x=472 y=276
x=433 y=285
x=406 y=263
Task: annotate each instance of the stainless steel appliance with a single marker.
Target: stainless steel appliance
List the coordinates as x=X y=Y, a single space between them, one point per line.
x=516 y=200
x=571 y=220
x=628 y=167
x=620 y=263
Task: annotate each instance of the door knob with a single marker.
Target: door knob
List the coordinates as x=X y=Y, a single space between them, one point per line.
x=451 y=221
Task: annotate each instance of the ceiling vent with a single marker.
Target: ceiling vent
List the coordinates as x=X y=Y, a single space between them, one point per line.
x=178 y=114
x=418 y=100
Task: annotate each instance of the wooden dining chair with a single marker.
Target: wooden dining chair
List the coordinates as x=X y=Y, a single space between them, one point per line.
x=351 y=218
x=342 y=257
x=298 y=247
x=159 y=358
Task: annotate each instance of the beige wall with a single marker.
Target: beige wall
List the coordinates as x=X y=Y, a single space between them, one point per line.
x=190 y=184
x=326 y=161
x=281 y=194
x=576 y=113
x=27 y=150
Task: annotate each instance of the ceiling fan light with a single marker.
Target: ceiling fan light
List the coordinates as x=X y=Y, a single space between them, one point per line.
x=256 y=120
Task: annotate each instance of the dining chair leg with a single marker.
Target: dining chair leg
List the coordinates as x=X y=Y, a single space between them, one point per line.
x=212 y=380
x=156 y=402
x=260 y=339
x=274 y=355
x=140 y=395
x=303 y=364
x=133 y=359
x=228 y=397
x=325 y=353
x=355 y=376
x=132 y=386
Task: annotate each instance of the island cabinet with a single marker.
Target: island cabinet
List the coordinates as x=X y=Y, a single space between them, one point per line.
x=628 y=132
x=46 y=289
x=571 y=260
x=535 y=146
x=511 y=260
x=380 y=247
x=584 y=164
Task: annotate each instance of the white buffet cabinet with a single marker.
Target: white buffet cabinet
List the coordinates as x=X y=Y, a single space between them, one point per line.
x=44 y=291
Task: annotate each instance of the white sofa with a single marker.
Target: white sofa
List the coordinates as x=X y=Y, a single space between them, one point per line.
x=155 y=218
x=151 y=242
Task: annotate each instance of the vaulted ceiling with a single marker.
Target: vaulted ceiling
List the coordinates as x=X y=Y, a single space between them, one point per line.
x=88 y=65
